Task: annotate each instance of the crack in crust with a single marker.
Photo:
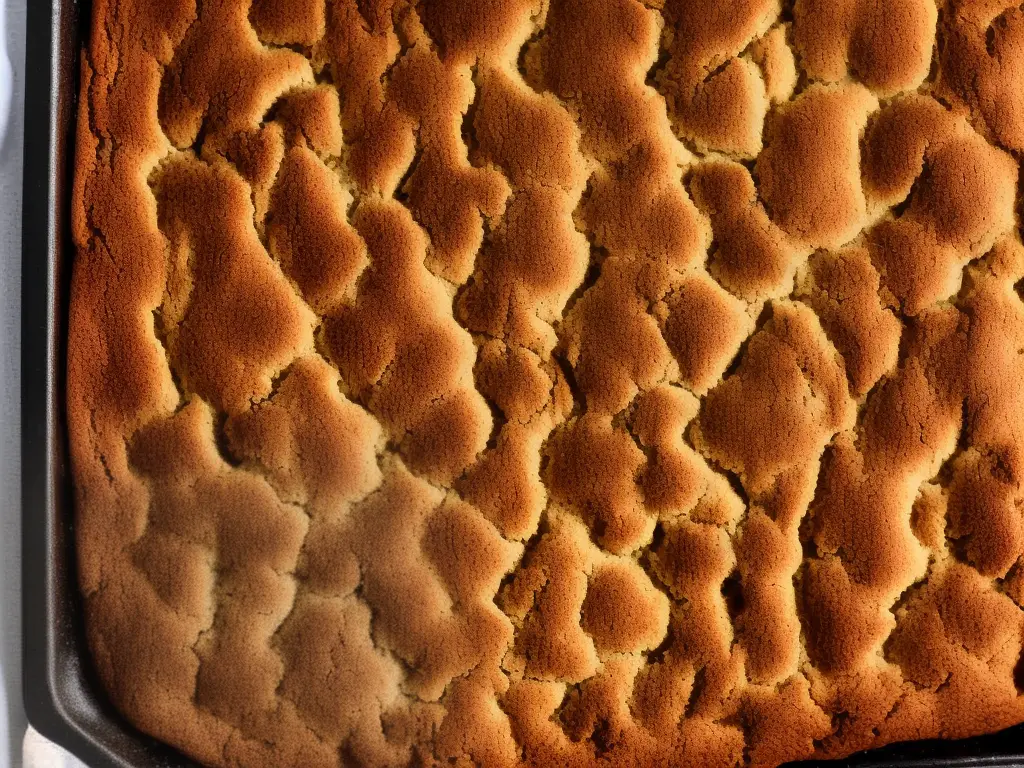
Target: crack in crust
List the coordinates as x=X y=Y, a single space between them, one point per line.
x=541 y=382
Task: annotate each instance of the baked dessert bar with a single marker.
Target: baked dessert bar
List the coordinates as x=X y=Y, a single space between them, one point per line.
x=550 y=382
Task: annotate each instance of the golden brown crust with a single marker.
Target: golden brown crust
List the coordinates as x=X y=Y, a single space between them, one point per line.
x=551 y=383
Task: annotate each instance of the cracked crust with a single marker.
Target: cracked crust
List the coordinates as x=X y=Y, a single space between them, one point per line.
x=548 y=382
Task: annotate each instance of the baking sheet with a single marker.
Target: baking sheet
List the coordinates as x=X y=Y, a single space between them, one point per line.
x=62 y=698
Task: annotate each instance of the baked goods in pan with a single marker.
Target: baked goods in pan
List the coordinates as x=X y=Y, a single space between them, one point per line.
x=550 y=382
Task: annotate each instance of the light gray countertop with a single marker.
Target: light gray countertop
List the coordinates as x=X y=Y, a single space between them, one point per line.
x=12 y=715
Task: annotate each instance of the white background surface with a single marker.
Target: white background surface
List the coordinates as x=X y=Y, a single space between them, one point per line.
x=38 y=753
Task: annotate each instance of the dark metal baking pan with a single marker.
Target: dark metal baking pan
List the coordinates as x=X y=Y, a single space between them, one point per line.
x=63 y=700
x=62 y=697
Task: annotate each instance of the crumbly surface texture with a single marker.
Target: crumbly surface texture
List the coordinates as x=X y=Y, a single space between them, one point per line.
x=550 y=382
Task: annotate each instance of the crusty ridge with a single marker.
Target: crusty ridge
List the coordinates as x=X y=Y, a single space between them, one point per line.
x=550 y=382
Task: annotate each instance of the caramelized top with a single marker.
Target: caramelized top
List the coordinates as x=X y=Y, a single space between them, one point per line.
x=550 y=382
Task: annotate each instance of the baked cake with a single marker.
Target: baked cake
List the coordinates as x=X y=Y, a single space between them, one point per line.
x=550 y=382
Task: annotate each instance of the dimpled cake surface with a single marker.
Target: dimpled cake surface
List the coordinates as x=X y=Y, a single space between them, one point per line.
x=550 y=382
